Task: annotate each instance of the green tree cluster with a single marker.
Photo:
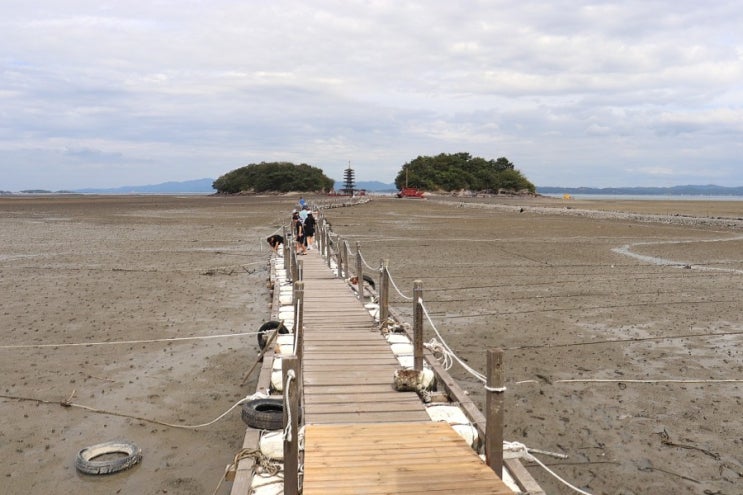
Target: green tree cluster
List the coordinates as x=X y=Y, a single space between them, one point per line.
x=452 y=172
x=274 y=177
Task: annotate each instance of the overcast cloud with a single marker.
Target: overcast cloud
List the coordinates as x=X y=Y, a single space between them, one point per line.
x=112 y=93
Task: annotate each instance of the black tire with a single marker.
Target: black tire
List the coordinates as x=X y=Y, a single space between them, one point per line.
x=370 y=281
x=85 y=461
x=264 y=330
x=264 y=414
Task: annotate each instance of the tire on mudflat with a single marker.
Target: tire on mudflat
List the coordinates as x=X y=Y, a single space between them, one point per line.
x=264 y=414
x=370 y=281
x=86 y=462
x=266 y=328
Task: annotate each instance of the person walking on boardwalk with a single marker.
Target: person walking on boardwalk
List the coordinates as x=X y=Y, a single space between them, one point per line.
x=303 y=213
x=299 y=235
x=309 y=230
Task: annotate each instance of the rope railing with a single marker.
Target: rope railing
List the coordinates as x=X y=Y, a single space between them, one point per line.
x=128 y=342
x=481 y=377
x=442 y=351
x=392 y=281
x=374 y=269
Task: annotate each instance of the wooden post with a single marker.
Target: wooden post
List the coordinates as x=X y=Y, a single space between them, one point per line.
x=290 y=368
x=300 y=269
x=359 y=272
x=285 y=248
x=299 y=318
x=417 y=325
x=345 y=250
x=327 y=245
x=298 y=305
x=494 y=411
x=384 y=292
x=321 y=237
x=339 y=255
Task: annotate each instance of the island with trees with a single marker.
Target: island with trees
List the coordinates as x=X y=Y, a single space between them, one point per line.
x=461 y=171
x=273 y=177
x=441 y=173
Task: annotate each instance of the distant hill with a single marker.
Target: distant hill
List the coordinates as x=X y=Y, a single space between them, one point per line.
x=708 y=190
x=189 y=186
x=372 y=185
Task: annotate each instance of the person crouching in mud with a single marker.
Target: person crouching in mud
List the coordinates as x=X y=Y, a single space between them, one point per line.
x=275 y=241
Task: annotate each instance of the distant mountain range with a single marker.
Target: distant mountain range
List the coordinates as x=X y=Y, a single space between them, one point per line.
x=189 y=186
x=205 y=186
x=372 y=185
x=708 y=190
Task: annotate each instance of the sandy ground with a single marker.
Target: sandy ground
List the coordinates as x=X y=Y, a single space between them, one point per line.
x=567 y=295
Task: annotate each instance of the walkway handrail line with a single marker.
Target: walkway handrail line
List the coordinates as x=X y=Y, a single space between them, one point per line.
x=452 y=388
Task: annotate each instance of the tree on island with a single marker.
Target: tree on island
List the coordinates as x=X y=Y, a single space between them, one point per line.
x=453 y=172
x=274 y=177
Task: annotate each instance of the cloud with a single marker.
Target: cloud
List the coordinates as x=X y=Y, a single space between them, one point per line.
x=574 y=93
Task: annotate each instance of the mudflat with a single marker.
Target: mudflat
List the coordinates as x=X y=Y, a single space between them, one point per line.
x=621 y=324
x=128 y=305
x=620 y=320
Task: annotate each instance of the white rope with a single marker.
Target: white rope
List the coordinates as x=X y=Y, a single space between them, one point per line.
x=522 y=450
x=440 y=353
x=389 y=277
x=367 y=264
x=185 y=427
x=612 y=380
x=288 y=430
x=124 y=342
x=495 y=389
x=464 y=365
x=558 y=478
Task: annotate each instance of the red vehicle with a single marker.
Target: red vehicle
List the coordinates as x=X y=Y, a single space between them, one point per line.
x=410 y=192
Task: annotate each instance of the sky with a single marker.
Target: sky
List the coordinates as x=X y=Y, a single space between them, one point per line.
x=574 y=93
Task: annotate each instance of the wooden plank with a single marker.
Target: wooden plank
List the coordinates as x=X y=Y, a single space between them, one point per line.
x=345 y=389
x=371 y=417
x=360 y=397
x=341 y=369
x=333 y=359
x=341 y=336
x=349 y=350
x=365 y=407
x=397 y=458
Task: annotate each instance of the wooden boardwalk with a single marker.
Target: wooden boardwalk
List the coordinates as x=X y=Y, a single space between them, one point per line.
x=362 y=436
x=347 y=365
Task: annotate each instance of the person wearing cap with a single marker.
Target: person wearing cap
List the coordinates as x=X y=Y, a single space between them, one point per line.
x=303 y=213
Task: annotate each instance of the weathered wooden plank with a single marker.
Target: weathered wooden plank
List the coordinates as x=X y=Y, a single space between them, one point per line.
x=365 y=407
x=341 y=368
x=367 y=358
x=360 y=397
x=314 y=380
x=349 y=350
x=342 y=336
x=345 y=389
x=372 y=417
